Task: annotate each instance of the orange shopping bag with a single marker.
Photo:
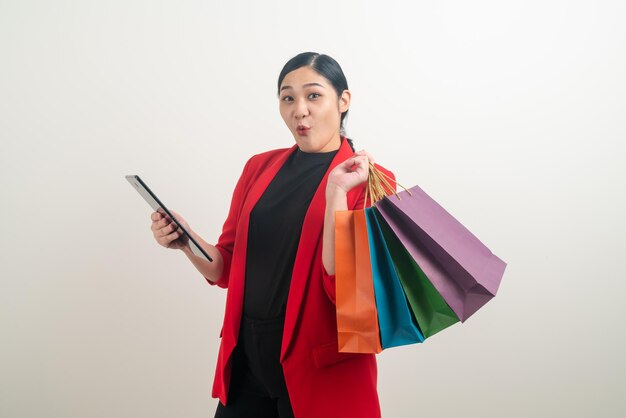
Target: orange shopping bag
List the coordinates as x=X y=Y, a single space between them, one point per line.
x=357 y=319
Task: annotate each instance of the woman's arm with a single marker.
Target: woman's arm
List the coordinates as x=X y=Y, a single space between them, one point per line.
x=336 y=199
x=169 y=235
x=341 y=180
x=211 y=271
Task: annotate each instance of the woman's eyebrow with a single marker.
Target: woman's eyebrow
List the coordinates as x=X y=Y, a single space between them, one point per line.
x=304 y=85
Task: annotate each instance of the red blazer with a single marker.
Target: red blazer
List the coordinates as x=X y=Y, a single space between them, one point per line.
x=322 y=382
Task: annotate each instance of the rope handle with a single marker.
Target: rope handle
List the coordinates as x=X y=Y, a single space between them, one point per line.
x=379 y=186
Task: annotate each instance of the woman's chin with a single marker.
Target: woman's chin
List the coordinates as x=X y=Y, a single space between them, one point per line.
x=309 y=143
x=304 y=142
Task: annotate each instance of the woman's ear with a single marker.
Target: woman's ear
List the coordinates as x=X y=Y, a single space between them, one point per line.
x=344 y=101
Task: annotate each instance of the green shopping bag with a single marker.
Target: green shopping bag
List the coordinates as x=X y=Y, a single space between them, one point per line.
x=430 y=309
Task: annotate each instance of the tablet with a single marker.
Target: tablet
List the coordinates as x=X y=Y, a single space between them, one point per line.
x=158 y=206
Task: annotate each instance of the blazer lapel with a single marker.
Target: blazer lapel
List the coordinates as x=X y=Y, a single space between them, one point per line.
x=264 y=180
x=237 y=280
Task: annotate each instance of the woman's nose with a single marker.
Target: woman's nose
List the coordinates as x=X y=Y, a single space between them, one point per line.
x=301 y=110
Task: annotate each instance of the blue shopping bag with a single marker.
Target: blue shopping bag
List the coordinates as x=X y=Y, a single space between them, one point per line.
x=396 y=322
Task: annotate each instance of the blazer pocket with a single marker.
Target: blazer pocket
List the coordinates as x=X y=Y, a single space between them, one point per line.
x=328 y=354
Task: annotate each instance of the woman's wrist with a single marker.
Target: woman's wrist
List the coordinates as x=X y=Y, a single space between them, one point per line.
x=187 y=249
x=335 y=192
x=336 y=199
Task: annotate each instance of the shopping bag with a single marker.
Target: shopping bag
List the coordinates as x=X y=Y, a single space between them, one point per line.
x=428 y=306
x=462 y=269
x=357 y=322
x=397 y=325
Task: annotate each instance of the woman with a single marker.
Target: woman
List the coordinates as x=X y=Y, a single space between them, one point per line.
x=278 y=355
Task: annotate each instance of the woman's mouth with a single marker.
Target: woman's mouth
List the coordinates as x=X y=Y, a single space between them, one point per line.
x=302 y=130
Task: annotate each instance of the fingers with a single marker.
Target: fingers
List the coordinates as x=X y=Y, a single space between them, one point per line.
x=161 y=226
x=166 y=235
x=357 y=163
x=365 y=153
x=172 y=236
x=166 y=230
x=158 y=224
x=156 y=216
x=356 y=159
x=360 y=159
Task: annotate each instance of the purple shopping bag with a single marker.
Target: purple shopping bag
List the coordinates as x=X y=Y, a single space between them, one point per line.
x=464 y=271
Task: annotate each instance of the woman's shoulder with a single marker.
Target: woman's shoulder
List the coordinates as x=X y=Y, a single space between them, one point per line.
x=267 y=155
x=263 y=159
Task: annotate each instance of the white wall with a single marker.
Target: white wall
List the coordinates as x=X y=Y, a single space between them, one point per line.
x=510 y=114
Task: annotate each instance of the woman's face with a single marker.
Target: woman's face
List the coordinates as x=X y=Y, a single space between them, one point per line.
x=311 y=109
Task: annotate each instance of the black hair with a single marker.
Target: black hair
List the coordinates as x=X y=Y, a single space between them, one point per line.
x=326 y=67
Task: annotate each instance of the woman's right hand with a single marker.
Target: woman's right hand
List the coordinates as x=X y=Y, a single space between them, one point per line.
x=167 y=233
x=350 y=173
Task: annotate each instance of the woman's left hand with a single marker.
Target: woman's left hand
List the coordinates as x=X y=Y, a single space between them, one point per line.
x=350 y=173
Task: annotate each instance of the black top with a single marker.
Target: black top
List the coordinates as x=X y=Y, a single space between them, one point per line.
x=274 y=232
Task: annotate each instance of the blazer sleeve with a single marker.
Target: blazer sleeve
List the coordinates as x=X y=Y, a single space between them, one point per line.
x=226 y=241
x=329 y=279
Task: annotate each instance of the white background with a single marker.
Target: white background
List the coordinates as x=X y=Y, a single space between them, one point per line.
x=510 y=114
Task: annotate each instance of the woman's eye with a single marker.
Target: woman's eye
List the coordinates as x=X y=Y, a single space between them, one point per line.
x=314 y=95
x=287 y=99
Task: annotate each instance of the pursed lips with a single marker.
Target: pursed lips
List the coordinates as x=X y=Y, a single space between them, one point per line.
x=302 y=129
